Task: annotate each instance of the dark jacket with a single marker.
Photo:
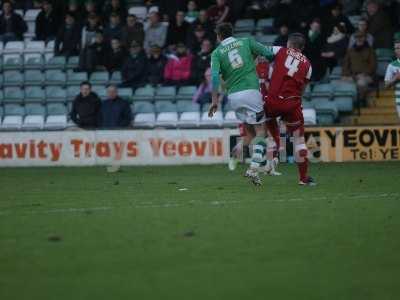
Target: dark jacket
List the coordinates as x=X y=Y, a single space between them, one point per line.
x=177 y=34
x=85 y=110
x=17 y=25
x=156 y=69
x=47 y=26
x=134 y=70
x=199 y=65
x=113 y=32
x=68 y=40
x=359 y=61
x=380 y=27
x=135 y=33
x=101 y=53
x=115 y=60
x=115 y=113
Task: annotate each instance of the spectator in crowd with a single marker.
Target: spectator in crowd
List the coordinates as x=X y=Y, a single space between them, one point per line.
x=177 y=30
x=196 y=39
x=362 y=27
x=117 y=8
x=12 y=26
x=336 y=18
x=360 y=64
x=86 y=107
x=95 y=56
x=379 y=25
x=203 y=93
x=335 y=49
x=313 y=50
x=205 y=23
x=134 y=69
x=68 y=38
x=219 y=13
x=201 y=62
x=282 y=38
x=89 y=31
x=114 y=28
x=116 y=57
x=156 y=33
x=47 y=22
x=75 y=10
x=156 y=64
x=115 y=112
x=132 y=31
x=192 y=13
x=178 y=68
x=392 y=76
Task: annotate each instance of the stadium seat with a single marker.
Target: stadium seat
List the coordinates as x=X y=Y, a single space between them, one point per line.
x=13 y=78
x=344 y=103
x=100 y=90
x=34 y=118
x=72 y=92
x=336 y=73
x=244 y=25
x=13 y=95
x=310 y=116
x=167 y=115
x=1 y=47
x=145 y=116
x=33 y=61
x=167 y=93
x=189 y=114
x=35 y=47
x=1 y=97
x=267 y=39
x=322 y=90
x=264 y=24
x=381 y=68
x=55 y=63
x=55 y=77
x=49 y=47
x=139 y=11
x=99 y=78
x=125 y=93
x=384 y=54
x=34 y=94
x=34 y=77
x=56 y=116
x=13 y=116
x=75 y=78
x=116 y=78
x=186 y=93
x=55 y=94
x=327 y=112
x=72 y=63
x=31 y=15
x=144 y=94
x=344 y=88
x=1 y=115
x=14 y=48
x=12 y=62
x=307 y=104
x=216 y=121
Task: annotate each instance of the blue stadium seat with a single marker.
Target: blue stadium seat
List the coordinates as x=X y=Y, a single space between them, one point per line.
x=186 y=92
x=33 y=61
x=244 y=25
x=167 y=93
x=13 y=78
x=34 y=94
x=76 y=78
x=55 y=63
x=322 y=90
x=13 y=95
x=55 y=94
x=167 y=115
x=144 y=112
x=99 y=78
x=55 y=78
x=34 y=77
x=144 y=94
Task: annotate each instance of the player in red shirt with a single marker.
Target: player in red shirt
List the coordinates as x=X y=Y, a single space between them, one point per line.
x=292 y=72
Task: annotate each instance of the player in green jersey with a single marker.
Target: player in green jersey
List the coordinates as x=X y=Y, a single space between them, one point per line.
x=233 y=60
x=392 y=77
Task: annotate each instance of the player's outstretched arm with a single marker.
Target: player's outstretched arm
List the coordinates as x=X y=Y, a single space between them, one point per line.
x=215 y=70
x=259 y=49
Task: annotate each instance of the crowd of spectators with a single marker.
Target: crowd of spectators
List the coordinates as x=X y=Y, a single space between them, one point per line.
x=173 y=45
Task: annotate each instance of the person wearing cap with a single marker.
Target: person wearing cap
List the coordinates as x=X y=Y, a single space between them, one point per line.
x=47 y=22
x=359 y=64
x=134 y=69
x=179 y=67
x=156 y=64
x=132 y=31
x=68 y=38
x=156 y=33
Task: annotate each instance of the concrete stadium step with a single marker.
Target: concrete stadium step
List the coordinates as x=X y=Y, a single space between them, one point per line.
x=375 y=120
x=380 y=110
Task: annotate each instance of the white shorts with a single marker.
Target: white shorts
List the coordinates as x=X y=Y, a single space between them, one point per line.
x=248 y=106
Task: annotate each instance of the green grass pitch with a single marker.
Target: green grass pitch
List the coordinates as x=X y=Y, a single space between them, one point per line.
x=200 y=232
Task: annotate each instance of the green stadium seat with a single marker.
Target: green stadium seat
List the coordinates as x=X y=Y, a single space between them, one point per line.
x=116 y=78
x=13 y=78
x=13 y=95
x=34 y=77
x=34 y=94
x=186 y=92
x=344 y=103
x=167 y=114
x=384 y=54
x=35 y=116
x=145 y=116
x=143 y=107
x=55 y=94
x=13 y=117
x=187 y=106
x=344 y=88
x=55 y=63
x=12 y=62
x=244 y=25
x=322 y=90
x=100 y=90
x=327 y=112
x=72 y=63
x=262 y=24
x=1 y=97
x=307 y=104
x=167 y=93
x=33 y=62
x=56 y=116
x=1 y=114
x=307 y=92
x=72 y=92
x=56 y=109
x=189 y=114
x=381 y=68
x=165 y=106
x=144 y=94
x=1 y=80
x=76 y=78
x=55 y=77
x=99 y=78
x=125 y=93
x=336 y=73
x=267 y=39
